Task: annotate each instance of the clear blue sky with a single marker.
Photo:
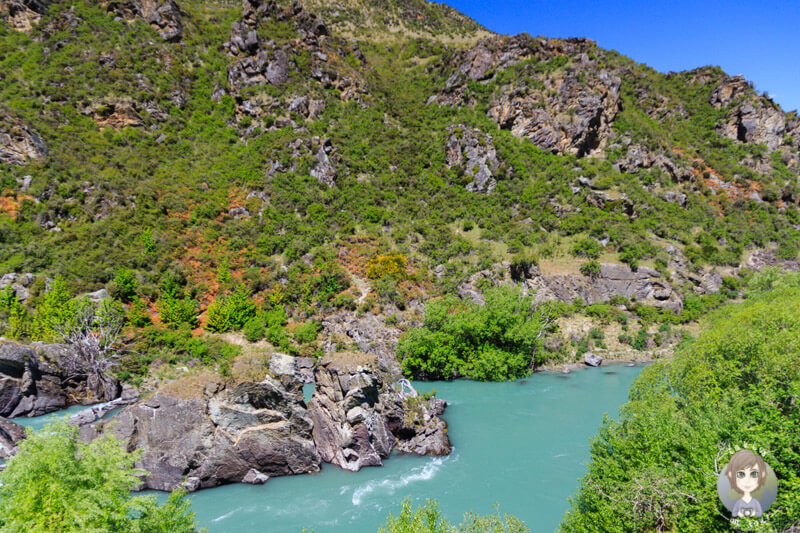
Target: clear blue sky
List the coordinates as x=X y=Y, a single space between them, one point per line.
x=759 y=38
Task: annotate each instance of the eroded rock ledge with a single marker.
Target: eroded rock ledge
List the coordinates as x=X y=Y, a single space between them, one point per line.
x=358 y=419
x=200 y=432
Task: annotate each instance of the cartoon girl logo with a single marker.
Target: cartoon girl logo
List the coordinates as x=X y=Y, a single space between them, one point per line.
x=747 y=486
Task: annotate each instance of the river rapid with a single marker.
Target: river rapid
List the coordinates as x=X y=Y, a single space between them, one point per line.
x=522 y=445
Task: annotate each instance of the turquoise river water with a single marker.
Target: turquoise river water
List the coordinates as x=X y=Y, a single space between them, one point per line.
x=523 y=445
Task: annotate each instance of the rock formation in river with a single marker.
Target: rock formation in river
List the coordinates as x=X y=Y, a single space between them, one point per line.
x=358 y=419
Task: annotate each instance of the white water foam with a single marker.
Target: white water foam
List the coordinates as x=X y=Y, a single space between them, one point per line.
x=226 y=515
x=423 y=473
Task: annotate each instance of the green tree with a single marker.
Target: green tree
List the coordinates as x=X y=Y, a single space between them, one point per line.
x=57 y=483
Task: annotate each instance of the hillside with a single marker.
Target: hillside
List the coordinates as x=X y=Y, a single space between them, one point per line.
x=342 y=164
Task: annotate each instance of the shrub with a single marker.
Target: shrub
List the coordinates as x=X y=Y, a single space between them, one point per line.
x=590 y=269
x=174 y=311
x=231 y=311
x=254 y=330
x=493 y=342
x=124 y=285
x=56 y=482
x=381 y=266
x=306 y=333
x=587 y=247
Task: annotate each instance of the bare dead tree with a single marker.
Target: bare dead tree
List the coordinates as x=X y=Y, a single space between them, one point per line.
x=94 y=331
x=546 y=316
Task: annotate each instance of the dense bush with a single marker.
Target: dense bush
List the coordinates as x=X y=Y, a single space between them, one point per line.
x=55 y=482
x=488 y=342
x=428 y=519
x=230 y=311
x=736 y=385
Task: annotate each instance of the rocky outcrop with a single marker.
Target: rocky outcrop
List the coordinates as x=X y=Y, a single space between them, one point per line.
x=761 y=259
x=10 y=435
x=204 y=438
x=592 y=359
x=644 y=285
x=19 y=144
x=23 y=15
x=562 y=110
x=115 y=113
x=163 y=15
x=325 y=170
x=20 y=284
x=358 y=418
x=472 y=151
x=260 y=62
x=754 y=120
x=639 y=156
x=32 y=382
x=368 y=332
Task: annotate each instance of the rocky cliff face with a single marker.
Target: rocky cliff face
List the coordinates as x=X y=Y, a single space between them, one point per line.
x=19 y=143
x=10 y=435
x=32 y=382
x=565 y=111
x=471 y=151
x=753 y=119
x=218 y=434
x=23 y=15
x=358 y=418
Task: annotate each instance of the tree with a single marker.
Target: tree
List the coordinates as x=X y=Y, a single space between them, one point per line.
x=93 y=330
x=55 y=482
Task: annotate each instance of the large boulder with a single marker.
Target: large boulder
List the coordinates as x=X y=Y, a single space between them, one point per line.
x=358 y=419
x=200 y=437
x=473 y=151
x=643 y=284
x=23 y=15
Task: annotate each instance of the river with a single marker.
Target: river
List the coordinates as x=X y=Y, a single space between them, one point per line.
x=522 y=445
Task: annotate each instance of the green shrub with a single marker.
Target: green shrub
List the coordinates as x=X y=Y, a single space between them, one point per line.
x=138 y=316
x=493 y=342
x=175 y=311
x=306 y=332
x=56 y=482
x=124 y=285
x=230 y=311
x=255 y=330
x=590 y=269
x=587 y=247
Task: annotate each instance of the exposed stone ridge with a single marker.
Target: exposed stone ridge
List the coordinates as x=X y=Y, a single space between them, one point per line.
x=19 y=144
x=473 y=151
x=10 y=435
x=753 y=119
x=565 y=111
x=163 y=15
x=23 y=15
x=358 y=418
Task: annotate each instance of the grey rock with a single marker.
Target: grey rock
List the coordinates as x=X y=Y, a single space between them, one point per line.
x=358 y=420
x=98 y=295
x=254 y=477
x=592 y=359
x=19 y=144
x=10 y=435
x=219 y=437
x=163 y=15
x=324 y=171
x=473 y=151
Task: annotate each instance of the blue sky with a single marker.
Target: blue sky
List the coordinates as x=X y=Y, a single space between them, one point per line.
x=759 y=39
